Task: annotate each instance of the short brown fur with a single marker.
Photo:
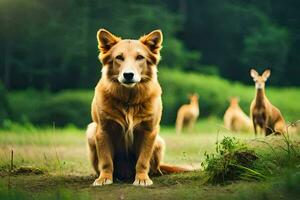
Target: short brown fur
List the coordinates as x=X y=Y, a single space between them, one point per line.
x=263 y=113
x=123 y=139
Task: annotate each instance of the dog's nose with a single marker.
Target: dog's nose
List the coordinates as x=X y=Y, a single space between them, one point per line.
x=128 y=75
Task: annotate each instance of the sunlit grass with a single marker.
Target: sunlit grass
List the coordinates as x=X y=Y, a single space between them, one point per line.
x=64 y=150
x=62 y=155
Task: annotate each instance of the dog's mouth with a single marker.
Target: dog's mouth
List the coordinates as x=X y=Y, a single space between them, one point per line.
x=128 y=83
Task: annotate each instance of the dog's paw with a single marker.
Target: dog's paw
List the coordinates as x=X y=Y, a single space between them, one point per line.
x=142 y=180
x=102 y=181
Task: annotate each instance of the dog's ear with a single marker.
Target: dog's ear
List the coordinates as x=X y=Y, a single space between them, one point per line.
x=254 y=74
x=106 y=40
x=153 y=41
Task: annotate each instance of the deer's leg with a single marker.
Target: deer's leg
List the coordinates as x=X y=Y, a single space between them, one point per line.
x=255 y=127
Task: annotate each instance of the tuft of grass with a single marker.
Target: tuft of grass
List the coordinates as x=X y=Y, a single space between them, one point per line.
x=28 y=170
x=282 y=187
x=231 y=161
x=281 y=153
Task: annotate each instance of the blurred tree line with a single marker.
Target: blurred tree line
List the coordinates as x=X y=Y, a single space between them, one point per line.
x=51 y=44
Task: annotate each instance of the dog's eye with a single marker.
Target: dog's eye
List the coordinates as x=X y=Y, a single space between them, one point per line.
x=140 y=57
x=120 y=57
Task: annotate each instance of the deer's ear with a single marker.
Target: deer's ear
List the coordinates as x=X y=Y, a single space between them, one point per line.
x=266 y=74
x=106 y=40
x=153 y=41
x=254 y=74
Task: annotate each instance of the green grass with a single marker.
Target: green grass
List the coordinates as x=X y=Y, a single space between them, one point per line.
x=62 y=155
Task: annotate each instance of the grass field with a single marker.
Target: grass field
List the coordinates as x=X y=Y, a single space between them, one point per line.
x=58 y=168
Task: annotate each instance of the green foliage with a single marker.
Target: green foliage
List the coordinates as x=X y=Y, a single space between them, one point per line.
x=237 y=35
x=232 y=36
x=177 y=86
x=7 y=124
x=73 y=106
x=214 y=94
x=67 y=46
x=66 y=108
x=4 y=104
x=175 y=55
x=61 y=109
x=231 y=161
x=267 y=48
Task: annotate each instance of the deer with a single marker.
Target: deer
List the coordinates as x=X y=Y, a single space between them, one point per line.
x=188 y=114
x=235 y=119
x=263 y=113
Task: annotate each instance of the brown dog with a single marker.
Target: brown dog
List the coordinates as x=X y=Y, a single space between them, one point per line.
x=263 y=113
x=126 y=111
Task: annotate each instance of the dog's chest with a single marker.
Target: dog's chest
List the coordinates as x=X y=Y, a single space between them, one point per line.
x=133 y=116
x=132 y=119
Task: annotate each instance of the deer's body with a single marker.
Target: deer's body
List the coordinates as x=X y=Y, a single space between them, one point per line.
x=263 y=113
x=187 y=114
x=235 y=119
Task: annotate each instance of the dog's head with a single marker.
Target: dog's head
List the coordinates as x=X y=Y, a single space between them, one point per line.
x=129 y=62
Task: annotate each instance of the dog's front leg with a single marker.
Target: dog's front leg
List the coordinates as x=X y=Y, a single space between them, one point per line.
x=105 y=154
x=143 y=162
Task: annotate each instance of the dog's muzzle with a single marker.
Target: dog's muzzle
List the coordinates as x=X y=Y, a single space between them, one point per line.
x=128 y=76
x=128 y=79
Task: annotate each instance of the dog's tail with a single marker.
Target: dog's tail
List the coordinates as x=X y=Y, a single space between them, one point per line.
x=172 y=169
